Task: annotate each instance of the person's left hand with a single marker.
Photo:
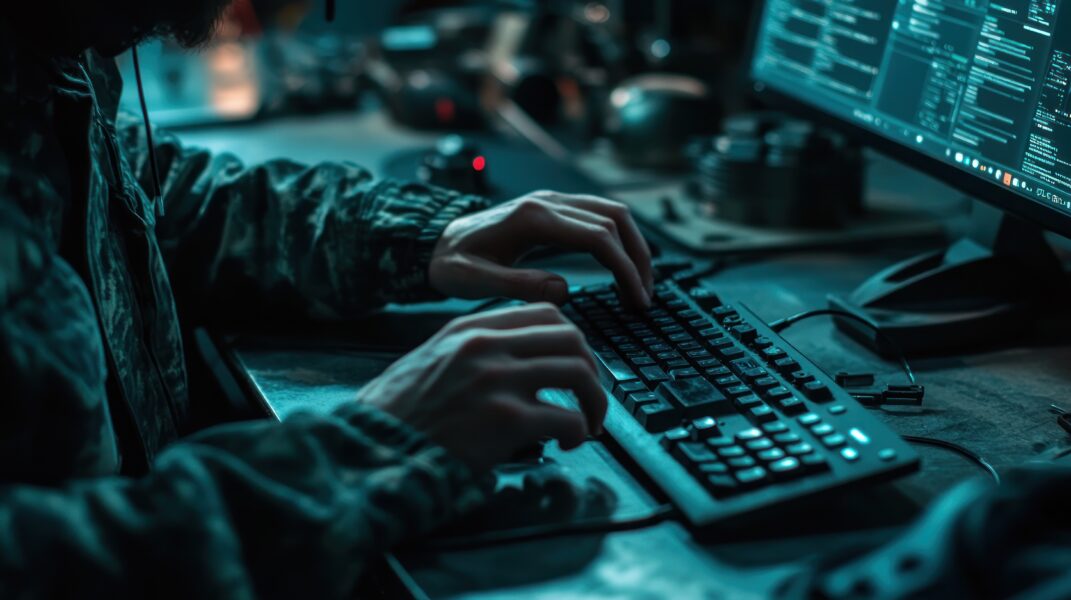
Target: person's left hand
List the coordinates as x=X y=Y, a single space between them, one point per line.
x=475 y=256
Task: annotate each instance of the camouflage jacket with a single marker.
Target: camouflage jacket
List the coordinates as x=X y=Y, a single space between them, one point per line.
x=93 y=370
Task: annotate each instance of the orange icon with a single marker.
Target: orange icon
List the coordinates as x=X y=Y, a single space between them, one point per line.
x=1007 y=179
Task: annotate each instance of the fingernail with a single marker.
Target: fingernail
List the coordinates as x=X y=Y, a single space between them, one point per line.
x=556 y=291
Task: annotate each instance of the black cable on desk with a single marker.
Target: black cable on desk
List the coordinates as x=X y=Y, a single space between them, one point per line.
x=659 y=515
x=783 y=324
x=974 y=457
x=961 y=450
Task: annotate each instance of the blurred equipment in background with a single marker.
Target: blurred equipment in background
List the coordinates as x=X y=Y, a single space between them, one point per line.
x=769 y=170
x=456 y=164
x=653 y=117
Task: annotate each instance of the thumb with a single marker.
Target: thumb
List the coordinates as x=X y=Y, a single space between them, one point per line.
x=488 y=278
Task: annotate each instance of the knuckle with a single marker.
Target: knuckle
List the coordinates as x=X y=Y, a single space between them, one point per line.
x=529 y=207
x=475 y=343
x=488 y=375
x=504 y=413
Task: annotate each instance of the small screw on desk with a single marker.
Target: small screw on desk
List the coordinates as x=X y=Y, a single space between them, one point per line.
x=1063 y=417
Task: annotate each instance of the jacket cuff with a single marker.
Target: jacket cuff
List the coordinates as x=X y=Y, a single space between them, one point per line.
x=429 y=211
x=462 y=488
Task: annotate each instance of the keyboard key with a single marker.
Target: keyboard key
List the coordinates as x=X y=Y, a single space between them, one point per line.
x=777 y=427
x=822 y=429
x=785 y=365
x=710 y=333
x=721 y=442
x=712 y=468
x=817 y=391
x=741 y=365
x=834 y=440
x=657 y=416
x=801 y=377
x=730 y=353
x=698 y=324
x=792 y=406
x=667 y=356
x=744 y=462
x=658 y=348
x=731 y=452
x=680 y=338
x=761 y=342
x=748 y=402
x=673 y=436
x=799 y=449
x=683 y=373
x=778 y=393
x=634 y=400
x=722 y=486
x=887 y=455
x=757 y=374
x=690 y=346
x=696 y=397
x=752 y=477
x=653 y=375
x=786 y=438
x=849 y=454
x=688 y=314
x=728 y=381
x=709 y=363
x=773 y=353
x=738 y=390
x=677 y=363
x=705 y=427
x=837 y=409
x=759 y=444
x=706 y=299
x=673 y=330
x=784 y=468
x=695 y=452
x=771 y=454
x=762 y=414
x=618 y=369
x=716 y=372
x=623 y=389
x=809 y=419
x=745 y=332
x=749 y=434
x=642 y=361
x=697 y=355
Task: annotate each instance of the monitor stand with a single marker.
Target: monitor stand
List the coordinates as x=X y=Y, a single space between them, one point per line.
x=983 y=289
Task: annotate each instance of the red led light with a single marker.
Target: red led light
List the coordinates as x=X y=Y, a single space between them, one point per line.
x=479 y=163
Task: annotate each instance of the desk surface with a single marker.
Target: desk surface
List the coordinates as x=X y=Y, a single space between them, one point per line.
x=994 y=402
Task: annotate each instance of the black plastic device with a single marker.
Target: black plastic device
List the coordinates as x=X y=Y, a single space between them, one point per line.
x=721 y=413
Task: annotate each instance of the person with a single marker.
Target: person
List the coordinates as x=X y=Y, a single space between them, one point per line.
x=105 y=491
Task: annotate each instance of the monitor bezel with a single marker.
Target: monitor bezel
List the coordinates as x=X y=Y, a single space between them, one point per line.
x=1048 y=218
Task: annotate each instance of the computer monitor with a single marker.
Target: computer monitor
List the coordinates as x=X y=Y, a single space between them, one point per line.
x=976 y=92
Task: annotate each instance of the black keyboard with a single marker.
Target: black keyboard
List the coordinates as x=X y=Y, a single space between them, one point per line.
x=720 y=412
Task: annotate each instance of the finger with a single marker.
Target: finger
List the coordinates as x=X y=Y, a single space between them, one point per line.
x=546 y=341
x=486 y=278
x=536 y=374
x=557 y=229
x=633 y=240
x=544 y=420
x=513 y=317
x=521 y=423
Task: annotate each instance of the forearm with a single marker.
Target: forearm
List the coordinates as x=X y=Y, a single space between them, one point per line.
x=325 y=241
x=251 y=510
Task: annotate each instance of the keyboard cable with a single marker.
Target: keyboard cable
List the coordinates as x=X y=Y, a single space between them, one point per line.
x=972 y=456
x=657 y=516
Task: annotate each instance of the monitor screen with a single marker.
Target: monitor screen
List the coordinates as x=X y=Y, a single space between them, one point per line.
x=980 y=85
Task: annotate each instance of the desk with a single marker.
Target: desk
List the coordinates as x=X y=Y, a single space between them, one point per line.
x=994 y=402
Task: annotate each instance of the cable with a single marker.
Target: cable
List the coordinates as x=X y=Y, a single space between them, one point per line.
x=158 y=199
x=782 y=324
x=961 y=450
x=657 y=516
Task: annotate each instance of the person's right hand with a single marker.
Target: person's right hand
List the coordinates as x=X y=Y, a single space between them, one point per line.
x=472 y=387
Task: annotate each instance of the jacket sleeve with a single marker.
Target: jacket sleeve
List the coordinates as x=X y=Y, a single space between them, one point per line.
x=254 y=510
x=262 y=509
x=326 y=240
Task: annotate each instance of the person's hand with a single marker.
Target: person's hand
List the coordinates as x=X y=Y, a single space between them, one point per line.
x=472 y=387
x=475 y=256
